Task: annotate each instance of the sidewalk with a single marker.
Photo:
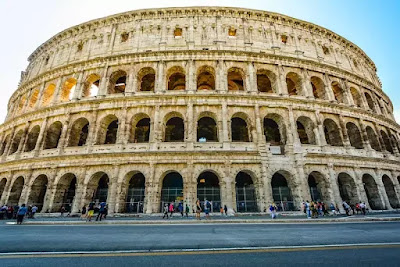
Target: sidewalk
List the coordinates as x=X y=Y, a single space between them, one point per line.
x=53 y=219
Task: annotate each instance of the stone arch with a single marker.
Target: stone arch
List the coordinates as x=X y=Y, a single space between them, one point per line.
x=48 y=94
x=240 y=128
x=390 y=191
x=332 y=133
x=281 y=184
x=16 y=141
x=293 y=83
x=97 y=187
x=146 y=79
x=266 y=81
x=140 y=132
x=135 y=192
x=206 y=78
x=395 y=142
x=117 y=82
x=68 y=89
x=4 y=144
x=21 y=104
x=176 y=78
x=16 y=190
x=33 y=136
x=208 y=188
x=53 y=135
x=65 y=192
x=356 y=97
x=274 y=129
x=91 y=85
x=79 y=132
x=318 y=87
x=318 y=186
x=347 y=188
x=34 y=98
x=370 y=101
x=3 y=183
x=174 y=129
x=373 y=139
x=305 y=130
x=38 y=191
x=235 y=79
x=354 y=135
x=386 y=142
x=337 y=92
x=108 y=130
x=246 y=198
x=207 y=129
x=372 y=192
x=172 y=188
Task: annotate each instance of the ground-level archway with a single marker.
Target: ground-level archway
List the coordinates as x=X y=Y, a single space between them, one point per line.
x=281 y=192
x=16 y=191
x=347 y=188
x=318 y=187
x=65 y=192
x=372 y=192
x=172 y=189
x=38 y=192
x=208 y=189
x=135 y=193
x=246 y=200
x=390 y=191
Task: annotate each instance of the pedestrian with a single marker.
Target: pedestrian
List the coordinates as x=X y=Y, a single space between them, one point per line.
x=187 y=211
x=333 y=209
x=221 y=210
x=101 y=213
x=10 y=212
x=226 y=210
x=30 y=211
x=346 y=208
x=21 y=214
x=34 y=210
x=362 y=207
x=165 y=209
x=171 y=209
x=308 y=209
x=180 y=208
x=198 y=209
x=15 y=210
x=207 y=207
x=272 y=209
x=90 y=211
x=62 y=211
x=3 y=211
x=83 y=213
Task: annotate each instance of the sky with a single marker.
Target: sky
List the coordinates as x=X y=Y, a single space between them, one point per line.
x=371 y=24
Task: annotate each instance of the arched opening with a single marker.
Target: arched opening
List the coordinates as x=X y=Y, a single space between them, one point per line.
x=21 y=104
x=337 y=92
x=390 y=192
x=16 y=190
x=356 y=97
x=174 y=130
x=4 y=144
x=65 y=193
x=235 y=79
x=332 y=133
x=208 y=189
x=147 y=79
x=176 y=79
x=207 y=130
x=3 y=183
x=354 y=135
x=318 y=186
x=272 y=132
x=372 y=192
x=48 y=94
x=318 y=87
x=206 y=78
x=266 y=81
x=172 y=189
x=117 y=82
x=91 y=86
x=246 y=200
x=135 y=193
x=79 y=132
x=386 y=142
x=281 y=192
x=347 y=188
x=68 y=89
x=142 y=131
x=305 y=130
x=38 y=192
x=239 y=130
x=373 y=139
x=33 y=99
x=32 y=138
x=370 y=102
x=293 y=83
x=395 y=142
x=53 y=135
x=108 y=130
x=16 y=141
x=101 y=192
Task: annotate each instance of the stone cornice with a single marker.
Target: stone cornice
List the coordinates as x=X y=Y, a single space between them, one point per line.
x=258 y=15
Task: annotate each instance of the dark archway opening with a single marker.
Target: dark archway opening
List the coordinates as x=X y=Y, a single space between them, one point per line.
x=208 y=190
x=246 y=200
x=207 y=130
x=136 y=193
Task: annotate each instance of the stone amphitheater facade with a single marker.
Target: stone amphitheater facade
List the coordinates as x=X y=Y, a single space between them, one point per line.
x=240 y=107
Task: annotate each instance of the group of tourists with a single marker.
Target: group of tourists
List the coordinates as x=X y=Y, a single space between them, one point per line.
x=206 y=208
x=314 y=209
x=171 y=208
x=102 y=211
x=16 y=212
x=355 y=209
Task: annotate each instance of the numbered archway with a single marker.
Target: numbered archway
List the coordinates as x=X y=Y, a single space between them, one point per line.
x=246 y=200
x=372 y=192
x=281 y=192
x=347 y=188
x=135 y=193
x=172 y=189
x=65 y=192
x=16 y=191
x=38 y=192
x=318 y=186
x=208 y=189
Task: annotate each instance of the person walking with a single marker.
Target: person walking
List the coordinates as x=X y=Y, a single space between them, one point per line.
x=207 y=209
x=34 y=210
x=171 y=209
x=333 y=209
x=21 y=213
x=165 y=210
x=101 y=213
x=62 y=211
x=346 y=208
x=308 y=209
x=180 y=208
x=362 y=207
x=90 y=211
x=226 y=210
x=272 y=209
x=187 y=211
x=83 y=213
x=198 y=209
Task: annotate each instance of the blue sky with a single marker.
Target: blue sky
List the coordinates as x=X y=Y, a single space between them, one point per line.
x=372 y=25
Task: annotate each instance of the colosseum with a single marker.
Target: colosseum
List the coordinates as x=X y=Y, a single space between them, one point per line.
x=240 y=107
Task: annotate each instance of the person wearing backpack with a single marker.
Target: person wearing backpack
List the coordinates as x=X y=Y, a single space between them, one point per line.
x=272 y=209
x=187 y=211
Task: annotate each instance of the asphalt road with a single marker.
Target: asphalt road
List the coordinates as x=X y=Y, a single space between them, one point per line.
x=65 y=238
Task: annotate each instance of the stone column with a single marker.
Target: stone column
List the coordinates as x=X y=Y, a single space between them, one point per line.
x=79 y=190
x=293 y=137
x=381 y=189
x=328 y=90
x=58 y=90
x=112 y=194
x=78 y=88
x=225 y=126
x=191 y=129
x=7 y=190
x=131 y=82
x=160 y=85
x=51 y=190
x=227 y=189
x=342 y=127
x=39 y=97
x=281 y=82
x=306 y=84
x=121 y=138
x=24 y=139
x=320 y=129
x=64 y=133
x=191 y=84
x=251 y=78
x=91 y=139
x=221 y=82
x=150 y=191
x=104 y=81
x=335 y=187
